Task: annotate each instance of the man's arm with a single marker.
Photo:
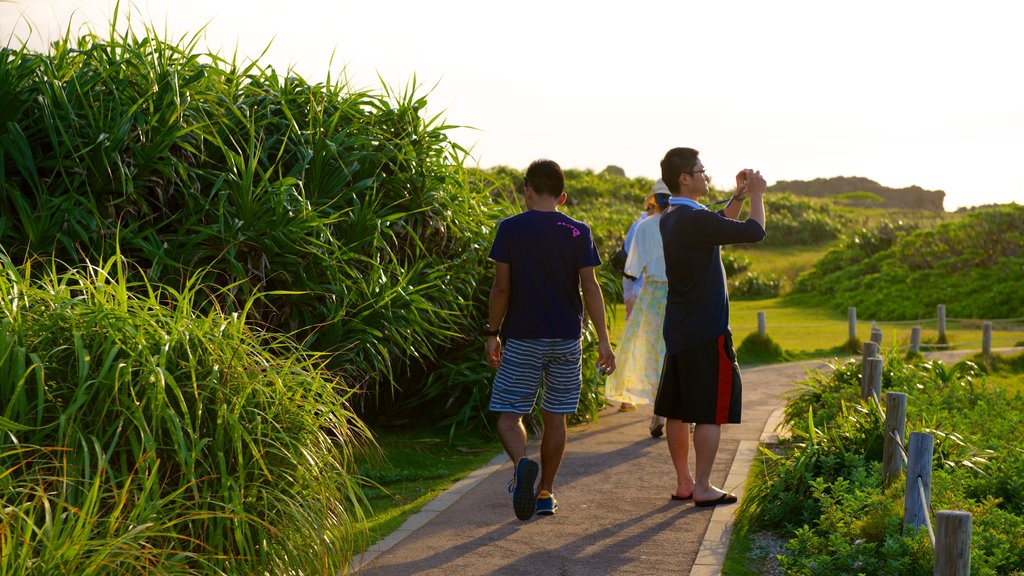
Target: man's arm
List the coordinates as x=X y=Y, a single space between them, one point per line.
x=594 y=301
x=755 y=188
x=497 y=305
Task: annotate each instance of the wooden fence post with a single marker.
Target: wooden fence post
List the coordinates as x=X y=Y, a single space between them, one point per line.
x=919 y=465
x=915 y=340
x=952 y=543
x=942 y=323
x=895 y=425
x=870 y=351
x=986 y=341
x=762 y=324
x=876 y=336
x=873 y=385
x=851 y=317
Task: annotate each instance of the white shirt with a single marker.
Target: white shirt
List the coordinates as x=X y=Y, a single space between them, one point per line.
x=645 y=251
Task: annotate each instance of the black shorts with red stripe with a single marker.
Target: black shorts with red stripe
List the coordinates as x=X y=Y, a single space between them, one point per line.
x=701 y=384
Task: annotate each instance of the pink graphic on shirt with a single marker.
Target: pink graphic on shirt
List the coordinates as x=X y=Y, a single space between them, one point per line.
x=575 y=232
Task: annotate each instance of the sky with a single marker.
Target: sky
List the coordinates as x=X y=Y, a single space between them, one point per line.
x=899 y=91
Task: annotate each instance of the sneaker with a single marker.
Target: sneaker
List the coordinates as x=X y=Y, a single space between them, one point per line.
x=657 y=426
x=546 y=503
x=523 y=497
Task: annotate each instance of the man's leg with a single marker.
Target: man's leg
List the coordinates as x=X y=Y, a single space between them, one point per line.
x=705 y=447
x=678 y=436
x=552 y=449
x=512 y=434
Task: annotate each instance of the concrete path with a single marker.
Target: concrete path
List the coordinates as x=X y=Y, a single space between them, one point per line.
x=615 y=514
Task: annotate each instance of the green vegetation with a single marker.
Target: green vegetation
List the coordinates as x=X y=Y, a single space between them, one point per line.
x=823 y=490
x=140 y=436
x=214 y=274
x=900 y=274
x=330 y=213
x=912 y=197
x=760 y=349
x=414 y=466
x=859 y=198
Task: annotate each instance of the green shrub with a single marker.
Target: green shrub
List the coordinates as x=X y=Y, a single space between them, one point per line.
x=138 y=436
x=755 y=285
x=823 y=486
x=342 y=217
x=898 y=273
x=734 y=263
x=760 y=349
x=798 y=221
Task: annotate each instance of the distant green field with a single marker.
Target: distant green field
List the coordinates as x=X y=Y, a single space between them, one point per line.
x=809 y=332
x=786 y=261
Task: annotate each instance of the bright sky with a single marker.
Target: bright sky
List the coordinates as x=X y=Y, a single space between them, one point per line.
x=903 y=92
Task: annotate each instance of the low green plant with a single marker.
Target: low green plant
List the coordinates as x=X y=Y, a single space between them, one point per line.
x=755 y=286
x=898 y=272
x=759 y=348
x=139 y=436
x=823 y=488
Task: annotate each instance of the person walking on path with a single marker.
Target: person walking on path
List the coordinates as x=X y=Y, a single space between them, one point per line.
x=631 y=284
x=641 y=352
x=700 y=381
x=543 y=259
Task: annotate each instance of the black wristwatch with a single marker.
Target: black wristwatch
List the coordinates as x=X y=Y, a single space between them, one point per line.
x=486 y=331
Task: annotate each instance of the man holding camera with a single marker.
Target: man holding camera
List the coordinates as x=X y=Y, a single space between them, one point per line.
x=700 y=382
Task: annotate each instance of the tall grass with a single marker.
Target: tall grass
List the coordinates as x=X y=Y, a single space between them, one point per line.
x=141 y=437
x=348 y=212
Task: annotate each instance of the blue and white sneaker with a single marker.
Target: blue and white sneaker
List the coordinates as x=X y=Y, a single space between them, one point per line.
x=523 y=497
x=546 y=503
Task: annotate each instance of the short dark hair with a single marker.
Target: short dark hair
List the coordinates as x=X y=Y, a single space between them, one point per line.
x=545 y=177
x=677 y=161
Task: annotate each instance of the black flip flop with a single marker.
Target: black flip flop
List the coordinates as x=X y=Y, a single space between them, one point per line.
x=674 y=497
x=726 y=498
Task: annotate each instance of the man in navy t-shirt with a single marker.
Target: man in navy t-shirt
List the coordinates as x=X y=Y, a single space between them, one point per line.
x=700 y=381
x=543 y=259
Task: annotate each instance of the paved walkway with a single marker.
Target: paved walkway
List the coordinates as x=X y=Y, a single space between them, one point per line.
x=615 y=515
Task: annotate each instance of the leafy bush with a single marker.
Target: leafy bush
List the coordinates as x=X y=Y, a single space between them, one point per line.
x=755 y=285
x=138 y=436
x=348 y=213
x=734 y=263
x=823 y=487
x=796 y=221
x=760 y=349
x=903 y=274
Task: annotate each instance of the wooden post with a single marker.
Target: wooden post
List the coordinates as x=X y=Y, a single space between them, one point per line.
x=870 y=351
x=986 y=341
x=895 y=425
x=851 y=317
x=952 y=543
x=919 y=465
x=873 y=387
x=762 y=325
x=876 y=336
x=942 y=323
x=915 y=340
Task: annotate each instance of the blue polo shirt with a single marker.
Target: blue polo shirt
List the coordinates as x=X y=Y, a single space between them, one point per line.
x=697 y=310
x=545 y=252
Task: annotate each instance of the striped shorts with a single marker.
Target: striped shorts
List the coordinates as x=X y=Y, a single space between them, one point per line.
x=528 y=364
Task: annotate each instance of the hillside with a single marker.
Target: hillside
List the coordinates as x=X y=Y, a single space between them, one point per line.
x=858 y=191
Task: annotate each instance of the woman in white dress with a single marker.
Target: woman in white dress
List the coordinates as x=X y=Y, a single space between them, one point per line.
x=641 y=352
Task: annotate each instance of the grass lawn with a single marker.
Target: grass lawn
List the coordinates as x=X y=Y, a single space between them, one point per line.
x=788 y=262
x=417 y=464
